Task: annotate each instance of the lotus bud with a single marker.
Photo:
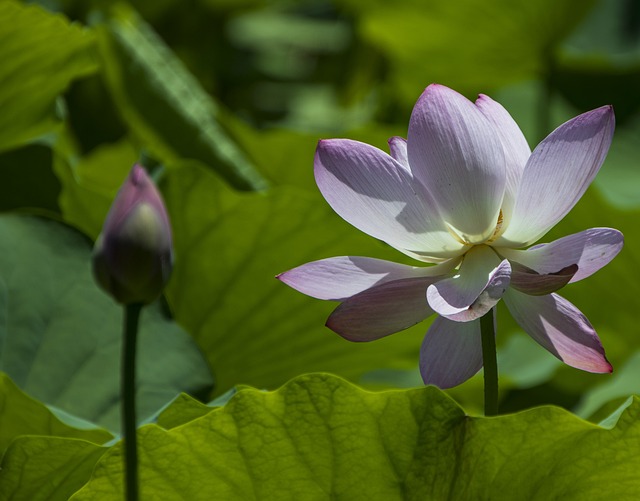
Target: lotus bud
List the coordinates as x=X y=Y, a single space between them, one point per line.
x=133 y=257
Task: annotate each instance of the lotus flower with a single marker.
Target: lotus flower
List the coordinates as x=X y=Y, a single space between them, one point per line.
x=132 y=257
x=465 y=193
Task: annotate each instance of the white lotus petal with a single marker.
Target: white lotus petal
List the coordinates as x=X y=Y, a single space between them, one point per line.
x=373 y=192
x=339 y=278
x=559 y=327
x=516 y=149
x=457 y=154
x=476 y=288
x=557 y=174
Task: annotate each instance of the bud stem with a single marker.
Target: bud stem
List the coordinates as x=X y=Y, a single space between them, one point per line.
x=128 y=392
x=489 y=359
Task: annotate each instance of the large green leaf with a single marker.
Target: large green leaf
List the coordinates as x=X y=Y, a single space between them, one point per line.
x=62 y=335
x=471 y=45
x=163 y=104
x=46 y=468
x=22 y=415
x=254 y=329
x=41 y=53
x=319 y=437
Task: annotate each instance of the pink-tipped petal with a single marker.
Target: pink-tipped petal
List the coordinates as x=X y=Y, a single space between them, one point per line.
x=398 y=150
x=590 y=250
x=339 y=278
x=559 y=327
x=382 y=310
x=531 y=282
x=516 y=149
x=474 y=290
x=373 y=192
x=557 y=174
x=457 y=154
x=451 y=352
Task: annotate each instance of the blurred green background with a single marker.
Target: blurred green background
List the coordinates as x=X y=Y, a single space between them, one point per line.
x=224 y=100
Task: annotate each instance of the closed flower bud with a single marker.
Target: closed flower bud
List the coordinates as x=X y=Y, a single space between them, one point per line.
x=133 y=258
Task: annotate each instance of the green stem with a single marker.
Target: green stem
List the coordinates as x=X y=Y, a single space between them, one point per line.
x=490 y=361
x=128 y=391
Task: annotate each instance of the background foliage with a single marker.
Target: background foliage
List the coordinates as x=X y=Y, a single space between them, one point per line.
x=224 y=102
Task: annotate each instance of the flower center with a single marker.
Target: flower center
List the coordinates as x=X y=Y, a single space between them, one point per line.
x=466 y=240
x=498 y=231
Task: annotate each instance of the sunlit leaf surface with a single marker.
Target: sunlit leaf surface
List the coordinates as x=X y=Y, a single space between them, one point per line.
x=46 y=468
x=319 y=437
x=22 y=415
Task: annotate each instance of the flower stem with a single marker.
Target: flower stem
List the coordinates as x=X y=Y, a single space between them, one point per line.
x=490 y=361
x=128 y=391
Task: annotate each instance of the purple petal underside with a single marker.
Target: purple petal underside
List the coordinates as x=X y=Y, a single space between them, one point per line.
x=451 y=352
x=560 y=328
x=382 y=310
x=590 y=250
x=533 y=283
x=339 y=278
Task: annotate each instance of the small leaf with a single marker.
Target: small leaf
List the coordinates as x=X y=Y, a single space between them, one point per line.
x=46 y=468
x=185 y=408
x=22 y=415
x=182 y=410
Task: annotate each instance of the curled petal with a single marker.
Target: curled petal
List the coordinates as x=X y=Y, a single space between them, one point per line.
x=533 y=283
x=474 y=290
x=557 y=174
x=339 y=278
x=382 y=310
x=457 y=154
x=590 y=250
x=398 y=150
x=451 y=352
x=516 y=149
x=559 y=327
x=377 y=195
